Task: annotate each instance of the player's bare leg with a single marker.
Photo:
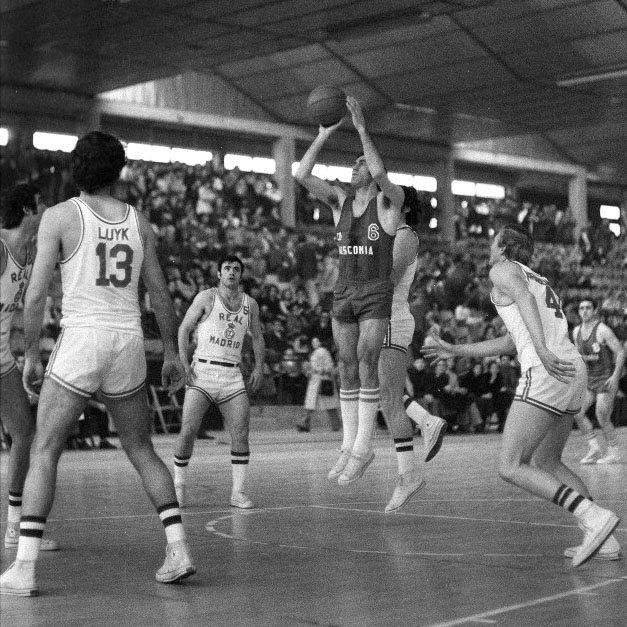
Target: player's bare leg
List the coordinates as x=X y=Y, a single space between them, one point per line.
x=392 y=372
x=58 y=411
x=548 y=456
x=587 y=430
x=194 y=407
x=131 y=417
x=371 y=335
x=525 y=428
x=346 y=336
x=236 y=414
x=604 y=408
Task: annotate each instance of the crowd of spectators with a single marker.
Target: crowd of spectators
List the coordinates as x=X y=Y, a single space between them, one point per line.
x=200 y=212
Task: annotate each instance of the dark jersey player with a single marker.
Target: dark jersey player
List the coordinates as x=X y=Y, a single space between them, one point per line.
x=366 y=218
x=604 y=357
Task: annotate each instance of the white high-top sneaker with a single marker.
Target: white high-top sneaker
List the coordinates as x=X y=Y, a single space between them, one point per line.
x=407 y=485
x=19 y=579
x=178 y=563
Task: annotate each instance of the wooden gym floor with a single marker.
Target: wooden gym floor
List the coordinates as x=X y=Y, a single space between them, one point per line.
x=467 y=550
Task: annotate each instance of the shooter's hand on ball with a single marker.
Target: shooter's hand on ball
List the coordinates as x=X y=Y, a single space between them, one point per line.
x=359 y=121
x=325 y=131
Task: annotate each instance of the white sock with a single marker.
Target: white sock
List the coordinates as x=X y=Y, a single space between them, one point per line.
x=239 y=466
x=405 y=454
x=15 y=507
x=31 y=533
x=368 y=407
x=349 y=407
x=180 y=469
x=170 y=516
x=416 y=412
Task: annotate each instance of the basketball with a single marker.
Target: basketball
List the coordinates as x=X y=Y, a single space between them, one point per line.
x=326 y=105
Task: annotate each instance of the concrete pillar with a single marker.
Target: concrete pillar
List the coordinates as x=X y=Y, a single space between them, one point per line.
x=578 y=201
x=445 y=172
x=89 y=119
x=284 y=153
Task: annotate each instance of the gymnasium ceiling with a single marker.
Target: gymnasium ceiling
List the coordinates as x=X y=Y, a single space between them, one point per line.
x=477 y=73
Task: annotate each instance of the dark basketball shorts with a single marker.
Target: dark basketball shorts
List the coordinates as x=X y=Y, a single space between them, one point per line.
x=597 y=382
x=361 y=301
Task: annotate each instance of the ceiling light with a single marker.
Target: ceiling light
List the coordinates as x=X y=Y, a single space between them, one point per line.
x=592 y=78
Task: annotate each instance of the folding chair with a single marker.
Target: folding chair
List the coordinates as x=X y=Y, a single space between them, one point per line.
x=165 y=406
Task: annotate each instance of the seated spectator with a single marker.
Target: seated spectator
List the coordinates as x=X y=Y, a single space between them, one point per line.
x=291 y=381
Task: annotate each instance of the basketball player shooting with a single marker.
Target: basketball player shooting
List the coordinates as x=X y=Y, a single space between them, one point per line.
x=365 y=220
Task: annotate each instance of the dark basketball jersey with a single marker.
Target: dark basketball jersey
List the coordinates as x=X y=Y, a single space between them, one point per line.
x=365 y=248
x=598 y=357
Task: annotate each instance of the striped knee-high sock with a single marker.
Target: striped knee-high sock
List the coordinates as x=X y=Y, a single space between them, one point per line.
x=571 y=500
x=404 y=454
x=180 y=469
x=349 y=407
x=239 y=466
x=170 y=516
x=15 y=507
x=31 y=533
x=368 y=406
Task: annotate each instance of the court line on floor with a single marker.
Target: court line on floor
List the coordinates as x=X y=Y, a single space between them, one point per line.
x=313 y=506
x=485 y=616
x=467 y=518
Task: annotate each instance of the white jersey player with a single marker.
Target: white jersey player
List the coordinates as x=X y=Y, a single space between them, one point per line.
x=393 y=363
x=19 y=218
x=550 y=391
x=222 y=317
x=103 y=246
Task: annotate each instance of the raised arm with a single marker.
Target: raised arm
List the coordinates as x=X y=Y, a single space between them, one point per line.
x=48 y=247
x=259 y=344
x=373 y=159
x=508 y=279
x=605 y=334
x=172 y=373
x=322 y=190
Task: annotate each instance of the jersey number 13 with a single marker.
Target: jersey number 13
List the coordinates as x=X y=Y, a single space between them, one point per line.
x=123 y=256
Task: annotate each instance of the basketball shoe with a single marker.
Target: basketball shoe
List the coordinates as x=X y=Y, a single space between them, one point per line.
x=340 y=464
x=12 y=538
x=19 y=579
x=598 y=524
x=178 y=563
x=241 y=500
x=406 y=486
x=432 y=435
x=609 y=550
x=355 y=467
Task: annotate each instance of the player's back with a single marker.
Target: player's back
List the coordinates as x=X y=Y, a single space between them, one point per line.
x=100 y=276
x=554 y=325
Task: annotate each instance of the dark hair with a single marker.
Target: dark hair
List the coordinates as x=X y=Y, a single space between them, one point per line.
x=516 y=243
x=97 y=161
x=13 y=202
x=231 y=259
x=589 y=299
x=411 y=204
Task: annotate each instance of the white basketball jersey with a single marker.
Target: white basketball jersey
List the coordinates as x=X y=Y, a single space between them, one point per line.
x=553 y=320
x=400 y=304
x=100 y=277
x=13 y=284
x=221 y=333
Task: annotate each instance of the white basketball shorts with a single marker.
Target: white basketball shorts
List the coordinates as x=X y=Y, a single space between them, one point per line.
x=219 y=384
x=400 y=331
x=89 y=359
x=538 y=388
